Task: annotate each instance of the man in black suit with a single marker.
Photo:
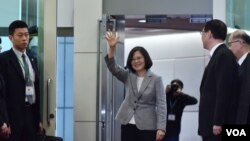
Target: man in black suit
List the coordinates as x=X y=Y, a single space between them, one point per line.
x=20 y=74
x=219 y=83
x=4 y=130
x=239 y=43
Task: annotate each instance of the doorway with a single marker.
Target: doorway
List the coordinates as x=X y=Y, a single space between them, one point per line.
x=174 y=45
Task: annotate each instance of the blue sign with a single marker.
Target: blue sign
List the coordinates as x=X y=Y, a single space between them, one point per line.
x=156 y=18
x=200 y=18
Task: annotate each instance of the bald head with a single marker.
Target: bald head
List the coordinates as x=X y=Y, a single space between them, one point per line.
x=239 y=34
x=239 y=43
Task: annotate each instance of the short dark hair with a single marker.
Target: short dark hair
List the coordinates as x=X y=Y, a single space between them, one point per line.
x=143 y=51
x=217 y=28
x=178 y=81
x=16 y=24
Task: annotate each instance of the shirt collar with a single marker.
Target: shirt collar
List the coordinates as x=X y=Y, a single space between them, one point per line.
x=19 y=53
x=242 y=58
x=214 y=48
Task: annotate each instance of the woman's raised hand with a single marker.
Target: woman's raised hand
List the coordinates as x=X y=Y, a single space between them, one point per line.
x=112 y=39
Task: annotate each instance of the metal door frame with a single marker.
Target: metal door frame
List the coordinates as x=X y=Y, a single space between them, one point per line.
x=110 y=91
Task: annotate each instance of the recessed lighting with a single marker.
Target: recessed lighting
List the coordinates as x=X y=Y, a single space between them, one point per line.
x=142 y=21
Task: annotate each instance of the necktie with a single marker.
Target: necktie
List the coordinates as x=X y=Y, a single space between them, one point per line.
x=27 y=77
x=26 y=69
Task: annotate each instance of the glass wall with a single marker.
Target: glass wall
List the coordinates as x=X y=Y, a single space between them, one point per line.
x=6 y=44
x=26 y=10
x=64 y=93
x=237 y=14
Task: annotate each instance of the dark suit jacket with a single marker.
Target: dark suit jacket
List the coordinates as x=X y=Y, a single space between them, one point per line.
x=244 y=101
x=15 y=89
x=3 y=109
x=218 y=91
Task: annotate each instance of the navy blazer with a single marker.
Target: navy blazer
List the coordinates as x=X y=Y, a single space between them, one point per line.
x=148 y=105
x=218 y=91
x=15 y=88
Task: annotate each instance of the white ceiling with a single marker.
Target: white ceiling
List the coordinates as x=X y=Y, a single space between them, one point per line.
x=143 y=32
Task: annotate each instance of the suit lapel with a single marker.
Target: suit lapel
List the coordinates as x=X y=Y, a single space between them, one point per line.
x=134 y=84
x=210 y=63
x=33 y=63
x=204 y=76
x=248 y=68
x=145 y=82
x=14 y=61
x=244 y=67
x=206 y=69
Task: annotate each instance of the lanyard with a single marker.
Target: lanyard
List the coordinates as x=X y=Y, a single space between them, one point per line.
x=172 y=104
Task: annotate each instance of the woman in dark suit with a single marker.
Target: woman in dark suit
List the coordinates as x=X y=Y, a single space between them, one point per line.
x=143 y=111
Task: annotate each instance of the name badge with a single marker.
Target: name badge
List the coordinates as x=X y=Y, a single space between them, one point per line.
x=171 y=117
x=29 y=90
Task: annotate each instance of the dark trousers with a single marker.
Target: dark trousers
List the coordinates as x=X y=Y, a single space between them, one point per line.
x=28 y=131
x=171 y=138
x=211 y=138
x=130 y=132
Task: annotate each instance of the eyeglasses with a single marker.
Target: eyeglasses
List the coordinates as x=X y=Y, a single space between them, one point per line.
x=230 y=43
x=202 y=32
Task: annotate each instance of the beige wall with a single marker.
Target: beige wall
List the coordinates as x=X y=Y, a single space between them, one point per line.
x=219 y=9
x=86 y=16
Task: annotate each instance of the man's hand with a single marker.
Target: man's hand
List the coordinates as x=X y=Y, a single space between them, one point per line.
x=5 y=131
x=217 y=130
x=160 y=135
x=40 y=128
